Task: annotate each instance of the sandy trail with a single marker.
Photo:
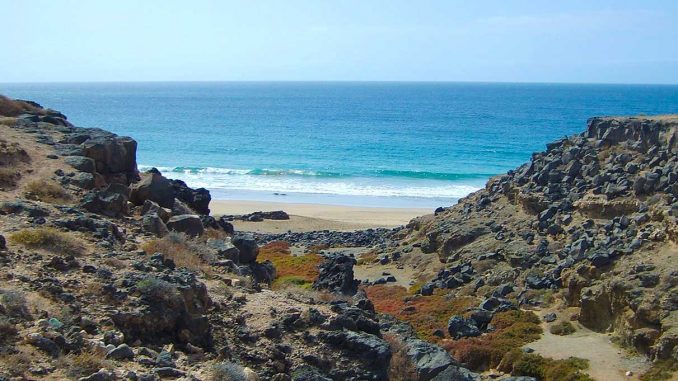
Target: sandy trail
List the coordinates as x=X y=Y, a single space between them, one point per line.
x=606 y=360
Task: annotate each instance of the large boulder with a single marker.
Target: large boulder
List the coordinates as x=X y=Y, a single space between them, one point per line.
x=190 y=224
x=155 y=187
x=247 y=247
x=336 y=275
x=373 y=350
x=81 y=163
x=428 y=359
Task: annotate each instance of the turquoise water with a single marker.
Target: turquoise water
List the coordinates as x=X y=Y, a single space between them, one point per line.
x=373 y=144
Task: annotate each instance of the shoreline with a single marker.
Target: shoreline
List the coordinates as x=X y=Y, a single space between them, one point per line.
x=310 y=217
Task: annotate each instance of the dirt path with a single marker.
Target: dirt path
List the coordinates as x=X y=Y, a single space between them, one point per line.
x=606 y=360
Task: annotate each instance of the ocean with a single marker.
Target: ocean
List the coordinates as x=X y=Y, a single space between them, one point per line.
x=417 y=145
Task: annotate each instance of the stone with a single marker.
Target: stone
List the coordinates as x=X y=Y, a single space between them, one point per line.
x=101 y=375
x=189 y=224
x=428 y=359
x=459 y=327
x=121 y=352
x=196 y=199
x=111 y=201
x=550 y=317
x=3 y=243
x=153 y=224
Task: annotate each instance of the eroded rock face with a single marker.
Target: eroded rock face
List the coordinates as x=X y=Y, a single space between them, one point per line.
x=111 y=201
x=155 y=187
x=189 y=224
x=114 y=156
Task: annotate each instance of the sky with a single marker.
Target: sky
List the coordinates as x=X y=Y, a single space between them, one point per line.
x=594 y=41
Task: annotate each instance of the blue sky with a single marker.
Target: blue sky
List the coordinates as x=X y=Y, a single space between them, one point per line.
x=511 y=41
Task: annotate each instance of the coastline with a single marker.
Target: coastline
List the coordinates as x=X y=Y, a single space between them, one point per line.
x=310 y=217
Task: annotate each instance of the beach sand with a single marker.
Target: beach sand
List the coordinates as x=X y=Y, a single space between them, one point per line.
x=310 y=217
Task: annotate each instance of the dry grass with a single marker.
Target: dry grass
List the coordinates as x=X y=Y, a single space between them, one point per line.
x=7 y=121
x=17 y=364
x=9 y=177
x=425 y=313
x=46 y=191
x=400 y=367
x=291 y=270
x=11 y=107
x=14 y=304
x=84 y=363
x=49 y=239
x=227 y=371
x=184 y=251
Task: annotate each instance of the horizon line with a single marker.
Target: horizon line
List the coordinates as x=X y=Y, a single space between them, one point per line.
x=339 y=81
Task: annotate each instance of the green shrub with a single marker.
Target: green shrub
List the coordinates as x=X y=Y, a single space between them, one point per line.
x=562 y=328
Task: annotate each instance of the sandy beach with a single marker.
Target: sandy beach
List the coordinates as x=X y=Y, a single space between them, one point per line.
x=310 y=217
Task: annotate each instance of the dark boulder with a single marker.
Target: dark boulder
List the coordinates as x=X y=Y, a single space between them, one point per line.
x=155 y=187
x=336 y=275
x=111 y=201
x=247 y=247
x=459 y=327
x=197 y=199
x=189 y=224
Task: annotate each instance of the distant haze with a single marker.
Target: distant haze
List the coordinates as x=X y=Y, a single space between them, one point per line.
x=510 y=41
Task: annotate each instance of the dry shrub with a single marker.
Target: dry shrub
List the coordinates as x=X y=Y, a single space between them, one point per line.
x=400 y=368
x=85 y=363
x=184 y=251
x=49 y=239
x=17 y=364
x=513 y=329
x=9 y=177
x=425 y=313
x=7 y=121
x=115 y=263
x=46 y=191
x=227 y=371
x=8 y=331
x=291 y=270
x=15 y=107
x=14 y=304
x=367 y=258
x=12 y=153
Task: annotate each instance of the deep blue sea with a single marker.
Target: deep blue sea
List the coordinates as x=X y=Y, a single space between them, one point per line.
x=365 y=144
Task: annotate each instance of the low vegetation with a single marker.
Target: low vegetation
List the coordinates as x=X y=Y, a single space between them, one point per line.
x=46 y=191
x=513 y=329
x=660 y=371
x=533 y=365
x=426 y=314
x=85 y=363
x=14 y=304
x=49 y=239
x=12 y=107
x=562 y=328
x=184 y=251
x=301 y=270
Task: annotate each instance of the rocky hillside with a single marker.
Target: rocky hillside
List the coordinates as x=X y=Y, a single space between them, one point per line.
x=592 y=220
